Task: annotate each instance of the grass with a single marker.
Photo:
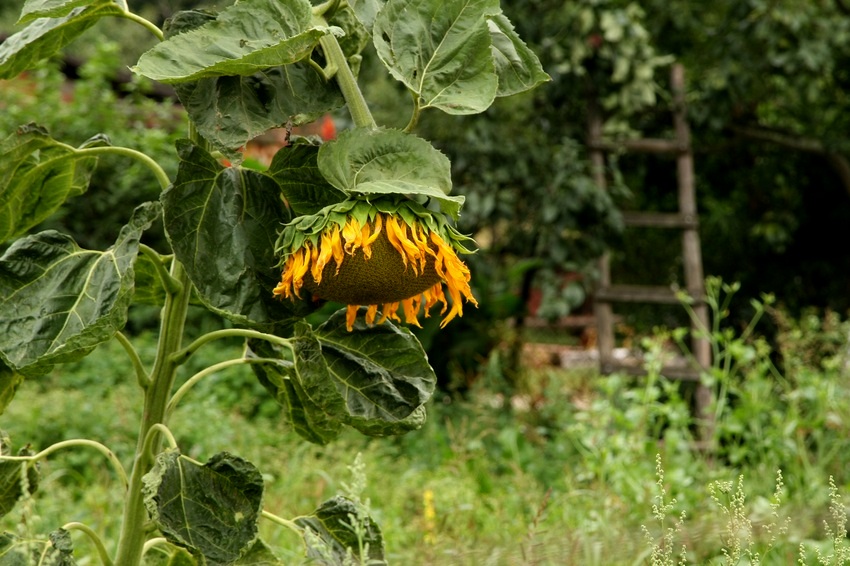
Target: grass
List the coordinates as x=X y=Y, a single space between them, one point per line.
x=579 y=469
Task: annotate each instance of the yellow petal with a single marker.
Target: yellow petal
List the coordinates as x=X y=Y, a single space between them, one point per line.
x=350 y=316
x=410 y=312
x=388 y=310
x=325 y=253
x=352 y=235
x=370 y=314
x=336 y=247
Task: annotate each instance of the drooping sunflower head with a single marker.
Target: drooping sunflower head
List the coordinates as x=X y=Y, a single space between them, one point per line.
x=380 y=255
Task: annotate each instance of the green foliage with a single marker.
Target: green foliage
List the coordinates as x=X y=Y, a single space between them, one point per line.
x=374 y=162
x=61 y=301
x=221 y=223
x=210 y=509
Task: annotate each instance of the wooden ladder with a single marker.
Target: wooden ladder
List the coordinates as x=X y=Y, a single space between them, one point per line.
x=685 y=220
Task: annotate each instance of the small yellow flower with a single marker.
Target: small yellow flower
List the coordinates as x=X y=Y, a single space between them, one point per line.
x=389 y=258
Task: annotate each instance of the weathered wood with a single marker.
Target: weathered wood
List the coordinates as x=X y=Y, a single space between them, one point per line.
x=641 y=294
x=687 y=220
x=603 y=311
x=691 y=250
x=635 y=219
x=670 y=371
x=646 y=145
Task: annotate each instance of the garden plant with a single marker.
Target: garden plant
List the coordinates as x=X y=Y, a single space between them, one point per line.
x=365 y=221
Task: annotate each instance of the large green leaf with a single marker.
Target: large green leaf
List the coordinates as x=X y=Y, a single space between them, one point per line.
x=58 y=301
x=440 y=51
x=366 y=10
x=11 y=478
x=385 y=161
x=34 y=9
x=306 y=191
x=280 y=379
x=210 y=509
x=259 y=555
x=222 y=223
x=46 y=36
x=247 y=37
x=37 y=174
x=335 y=536
x=517 y=67
x=231 y=110
x=375 y=379
x=380 y=371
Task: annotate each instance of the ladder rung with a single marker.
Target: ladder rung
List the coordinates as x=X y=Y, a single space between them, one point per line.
x=660 y=220
x=678 y=372
x=647 y=145
x=636 y=294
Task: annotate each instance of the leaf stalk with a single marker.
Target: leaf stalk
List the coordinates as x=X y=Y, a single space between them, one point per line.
x=360 y=113
x=141 y=373
x=192 y=381
x=183 y=355
x=98 y=544
x=109 y=454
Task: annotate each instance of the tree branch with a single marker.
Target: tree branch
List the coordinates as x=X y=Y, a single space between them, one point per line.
x=839 y=163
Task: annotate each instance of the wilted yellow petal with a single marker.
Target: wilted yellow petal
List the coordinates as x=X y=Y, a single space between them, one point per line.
x=350 y=316
x=351 y=235
x=410 y=312
x=388 y=310
x=324 y=256
x=370 y=314
x=336 y=247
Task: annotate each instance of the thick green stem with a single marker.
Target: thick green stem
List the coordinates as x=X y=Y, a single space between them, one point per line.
x=357 y=106
x=132 y=539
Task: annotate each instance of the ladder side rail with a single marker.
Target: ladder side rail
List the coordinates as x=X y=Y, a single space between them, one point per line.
x=603 y=311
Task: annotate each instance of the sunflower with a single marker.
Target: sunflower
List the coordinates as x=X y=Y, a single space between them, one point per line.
x=382 y=255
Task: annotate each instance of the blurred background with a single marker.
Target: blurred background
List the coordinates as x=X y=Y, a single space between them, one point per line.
x=566 y=454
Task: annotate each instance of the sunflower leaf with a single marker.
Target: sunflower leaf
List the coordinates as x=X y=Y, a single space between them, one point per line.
x=517 y=67
x=222 y=224
x=332 y=524
x=231 y=110
x=280 y=379
x=381 y=372
x=47 y=36
x=306 y=191
x=34 y=9
x=440 y=51
x=248 y=37
x=57 y=301
x=37 y=175
x=210 y=509
x=384 y=161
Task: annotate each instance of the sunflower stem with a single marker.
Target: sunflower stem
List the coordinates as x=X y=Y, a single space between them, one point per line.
x=360 y=113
